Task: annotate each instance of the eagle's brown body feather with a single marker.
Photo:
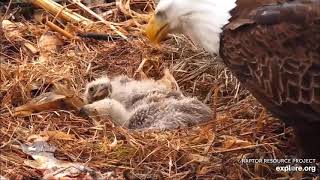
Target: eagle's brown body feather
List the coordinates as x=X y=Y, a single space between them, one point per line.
x=276 y=55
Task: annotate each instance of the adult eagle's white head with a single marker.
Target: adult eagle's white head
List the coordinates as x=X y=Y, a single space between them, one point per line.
x=200 y=20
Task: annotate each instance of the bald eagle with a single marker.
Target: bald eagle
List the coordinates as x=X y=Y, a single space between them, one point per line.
x=271 y=46
x=144 y=105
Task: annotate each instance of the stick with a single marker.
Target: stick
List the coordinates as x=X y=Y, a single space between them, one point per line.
x=59 y=30
x=62 y=12
x=77 y=2
x=242 y=148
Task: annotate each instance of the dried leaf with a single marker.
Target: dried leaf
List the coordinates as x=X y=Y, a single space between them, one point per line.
x=12 y=30
x=198 y=158
x=58 y=135
x=46 y=101
x=62 y=98
x=32 y=48
x=72 y=100
x=49 y=43
x=169 y=81
x=233 y=142
x=204 y=170
x=36 y=137
x=43 y=155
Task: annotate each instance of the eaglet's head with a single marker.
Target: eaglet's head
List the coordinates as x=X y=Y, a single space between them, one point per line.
x=97 y=90
x=200 y=20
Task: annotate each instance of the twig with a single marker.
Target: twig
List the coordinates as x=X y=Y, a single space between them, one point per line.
x=242 y=148
x=155 y=150
x=7 y=10
x=59 y=30
x=77 y=2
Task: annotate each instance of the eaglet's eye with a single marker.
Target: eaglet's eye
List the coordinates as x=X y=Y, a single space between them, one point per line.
x=91 y=89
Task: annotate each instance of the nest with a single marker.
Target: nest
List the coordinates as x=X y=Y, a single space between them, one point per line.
x=241 y=128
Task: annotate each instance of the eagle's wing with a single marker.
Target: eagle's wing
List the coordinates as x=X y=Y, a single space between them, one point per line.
x=277 y=57
x=245 y=7
x=296 y=12
x=273 y=12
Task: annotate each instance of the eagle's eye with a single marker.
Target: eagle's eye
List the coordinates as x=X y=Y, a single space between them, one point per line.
x=161 y=14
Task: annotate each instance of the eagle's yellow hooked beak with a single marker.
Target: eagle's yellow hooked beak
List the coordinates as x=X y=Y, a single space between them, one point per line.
x=157 y=29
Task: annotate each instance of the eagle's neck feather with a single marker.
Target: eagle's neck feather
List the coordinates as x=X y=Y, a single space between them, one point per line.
x=205 y=22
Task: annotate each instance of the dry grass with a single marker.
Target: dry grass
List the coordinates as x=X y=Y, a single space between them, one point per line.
x=211 y=150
